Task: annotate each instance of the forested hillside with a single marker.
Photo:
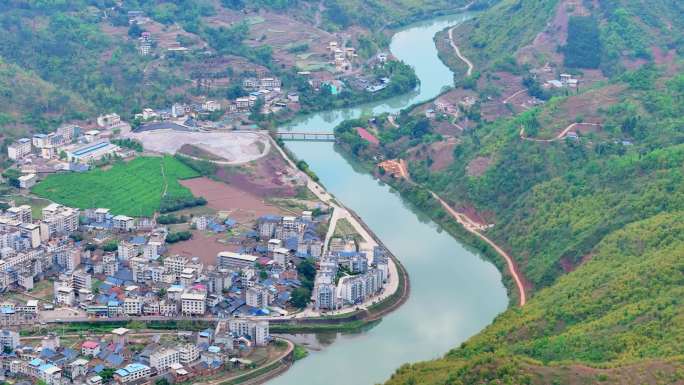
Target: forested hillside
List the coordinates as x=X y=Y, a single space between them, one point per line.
x=622 y=311
x=593 y=219
x=81 y=56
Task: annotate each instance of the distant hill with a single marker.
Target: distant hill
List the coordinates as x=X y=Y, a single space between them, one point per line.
x=78 y=58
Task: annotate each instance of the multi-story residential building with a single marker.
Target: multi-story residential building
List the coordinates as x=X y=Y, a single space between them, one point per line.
x=19 y=149
x=162 y=358
x=219 y=280
x=132 y=372
x=20 y=213
x=230 y=260
x=69 y=132
x=123 y=223
x=27 y=181
x=211 y=106
x=257 y=297
x=269 y=83
x=58 y=219
x=261 y=333
x=81 y=280
x=194 y=302
x=9 y=339
x=109 y=264
x=151 y=250
x=72 y=259
x=168 y=308
x=175 y=264
x=189 y=353
x=64 y=295
x=50 y=374
x=108 y=120
x=127 y=250
x=133 y=306
x=76 y=368
x=90 y=348
x=120 y=336
x=257 y=330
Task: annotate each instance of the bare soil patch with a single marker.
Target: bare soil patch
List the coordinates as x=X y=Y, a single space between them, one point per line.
x=234 y=146
x=240 y=204
x=268 y=177
x=585 y=107
x=280 y=31
x=442 y=153
x=478 y=166
x=205 y=246
x=197 y=152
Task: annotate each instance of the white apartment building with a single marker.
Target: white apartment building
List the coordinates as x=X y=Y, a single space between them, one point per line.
x=81 y=280
x=72 y=259
x=69 y=132
x=175 y=264
x=64 y=296
x=123 y=223
x=193 y=302
x=189 y=353
x=59 y=219
x=127 y=250
x=258 y=331
x=132 y=372
x=257 y=297
x=151 y=250
x=27 y=181
x=109 y=264
x=211 y=106
x=162 y=358
x=19 y=149
x=133 y=306
x=230 y=260
x=20 y=213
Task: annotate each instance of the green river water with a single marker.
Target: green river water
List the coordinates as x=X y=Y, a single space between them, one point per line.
x=454 y=292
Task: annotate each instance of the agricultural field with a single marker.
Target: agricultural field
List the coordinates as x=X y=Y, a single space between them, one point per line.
x=135 y=188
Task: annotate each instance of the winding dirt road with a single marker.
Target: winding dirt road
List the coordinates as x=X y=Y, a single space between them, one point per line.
x=474 y=228
x=458 y=52
x=558 y=137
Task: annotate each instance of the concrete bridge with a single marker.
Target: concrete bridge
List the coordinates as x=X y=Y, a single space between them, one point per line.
x=306 y=136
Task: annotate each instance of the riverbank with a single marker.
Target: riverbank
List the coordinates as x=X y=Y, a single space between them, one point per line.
x=436 y=208
x=364 y=314
x=454 y=292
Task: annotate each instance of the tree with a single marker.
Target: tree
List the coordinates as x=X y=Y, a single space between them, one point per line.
x=110 y=246
x=107 y=374
x=300 y=297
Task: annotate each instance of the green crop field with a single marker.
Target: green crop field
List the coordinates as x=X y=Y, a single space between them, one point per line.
x=134 y=188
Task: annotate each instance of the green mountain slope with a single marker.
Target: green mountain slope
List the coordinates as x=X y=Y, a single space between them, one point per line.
x=621 y=310
x=595 y=223
x=24 y=96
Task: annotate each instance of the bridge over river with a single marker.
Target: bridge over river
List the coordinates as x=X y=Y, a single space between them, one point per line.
x=306 y=136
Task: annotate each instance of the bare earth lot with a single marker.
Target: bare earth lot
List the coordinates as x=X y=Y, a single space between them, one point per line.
x=235 y=147
x=204 y=246
x=240 y=204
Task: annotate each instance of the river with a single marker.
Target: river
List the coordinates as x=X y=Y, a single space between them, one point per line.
x=454 y=292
